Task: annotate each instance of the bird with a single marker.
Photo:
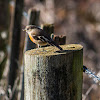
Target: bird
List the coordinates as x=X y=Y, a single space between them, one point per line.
x=39 y=36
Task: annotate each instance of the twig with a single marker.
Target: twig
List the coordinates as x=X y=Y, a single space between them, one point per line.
x=88 y=91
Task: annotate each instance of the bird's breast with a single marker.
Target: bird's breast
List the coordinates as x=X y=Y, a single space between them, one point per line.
x=35 y=40
x=31 y=38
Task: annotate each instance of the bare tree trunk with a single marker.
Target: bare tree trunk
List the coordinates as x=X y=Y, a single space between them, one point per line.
x=4 y=25
x=15 y=47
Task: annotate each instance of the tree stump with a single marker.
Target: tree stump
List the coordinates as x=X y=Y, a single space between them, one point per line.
x=54 y=74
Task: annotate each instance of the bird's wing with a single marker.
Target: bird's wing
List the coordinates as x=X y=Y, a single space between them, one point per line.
x=50 y=41
x=39 y=38
x=43 y=38
x=47 y=39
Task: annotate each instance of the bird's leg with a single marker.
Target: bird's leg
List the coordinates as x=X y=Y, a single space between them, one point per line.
x=39 y=46
x=37 y=49
x=43 y=48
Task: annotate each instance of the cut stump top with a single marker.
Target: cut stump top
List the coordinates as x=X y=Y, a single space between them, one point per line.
x=52 y=50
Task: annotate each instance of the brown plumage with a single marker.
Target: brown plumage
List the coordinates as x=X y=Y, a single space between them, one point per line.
x=40 y=37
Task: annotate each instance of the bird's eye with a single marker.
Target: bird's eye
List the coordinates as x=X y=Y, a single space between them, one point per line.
x=28 y=28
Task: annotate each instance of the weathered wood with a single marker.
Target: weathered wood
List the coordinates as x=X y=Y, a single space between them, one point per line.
x=60 y=40
x=54 y=75
x=34 y=15
x=48 y=28
x=15 y=47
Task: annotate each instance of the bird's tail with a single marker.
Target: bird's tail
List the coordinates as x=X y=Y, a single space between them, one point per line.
x=50 y=41
x=54 y=44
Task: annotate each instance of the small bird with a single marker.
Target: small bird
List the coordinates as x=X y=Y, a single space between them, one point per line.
x=39 y=36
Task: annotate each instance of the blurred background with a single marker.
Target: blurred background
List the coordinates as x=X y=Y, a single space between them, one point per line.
x=78 y=20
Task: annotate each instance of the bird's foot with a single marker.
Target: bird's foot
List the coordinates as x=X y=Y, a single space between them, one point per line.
x=38 y=51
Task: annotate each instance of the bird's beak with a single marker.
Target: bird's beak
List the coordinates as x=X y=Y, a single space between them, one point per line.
x=23 y=29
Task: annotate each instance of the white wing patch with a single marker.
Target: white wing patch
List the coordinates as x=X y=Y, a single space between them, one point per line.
x=43 y=38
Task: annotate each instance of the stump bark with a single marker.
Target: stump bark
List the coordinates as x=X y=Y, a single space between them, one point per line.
x=54 y=74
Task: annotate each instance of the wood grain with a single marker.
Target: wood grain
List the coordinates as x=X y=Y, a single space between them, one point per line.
x=53 y=74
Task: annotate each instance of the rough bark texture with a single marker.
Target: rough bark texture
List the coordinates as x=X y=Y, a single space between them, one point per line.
x=15 y=47
x=54 y=75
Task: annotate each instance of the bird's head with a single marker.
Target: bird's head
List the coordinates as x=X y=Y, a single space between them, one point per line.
x=30 y=28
